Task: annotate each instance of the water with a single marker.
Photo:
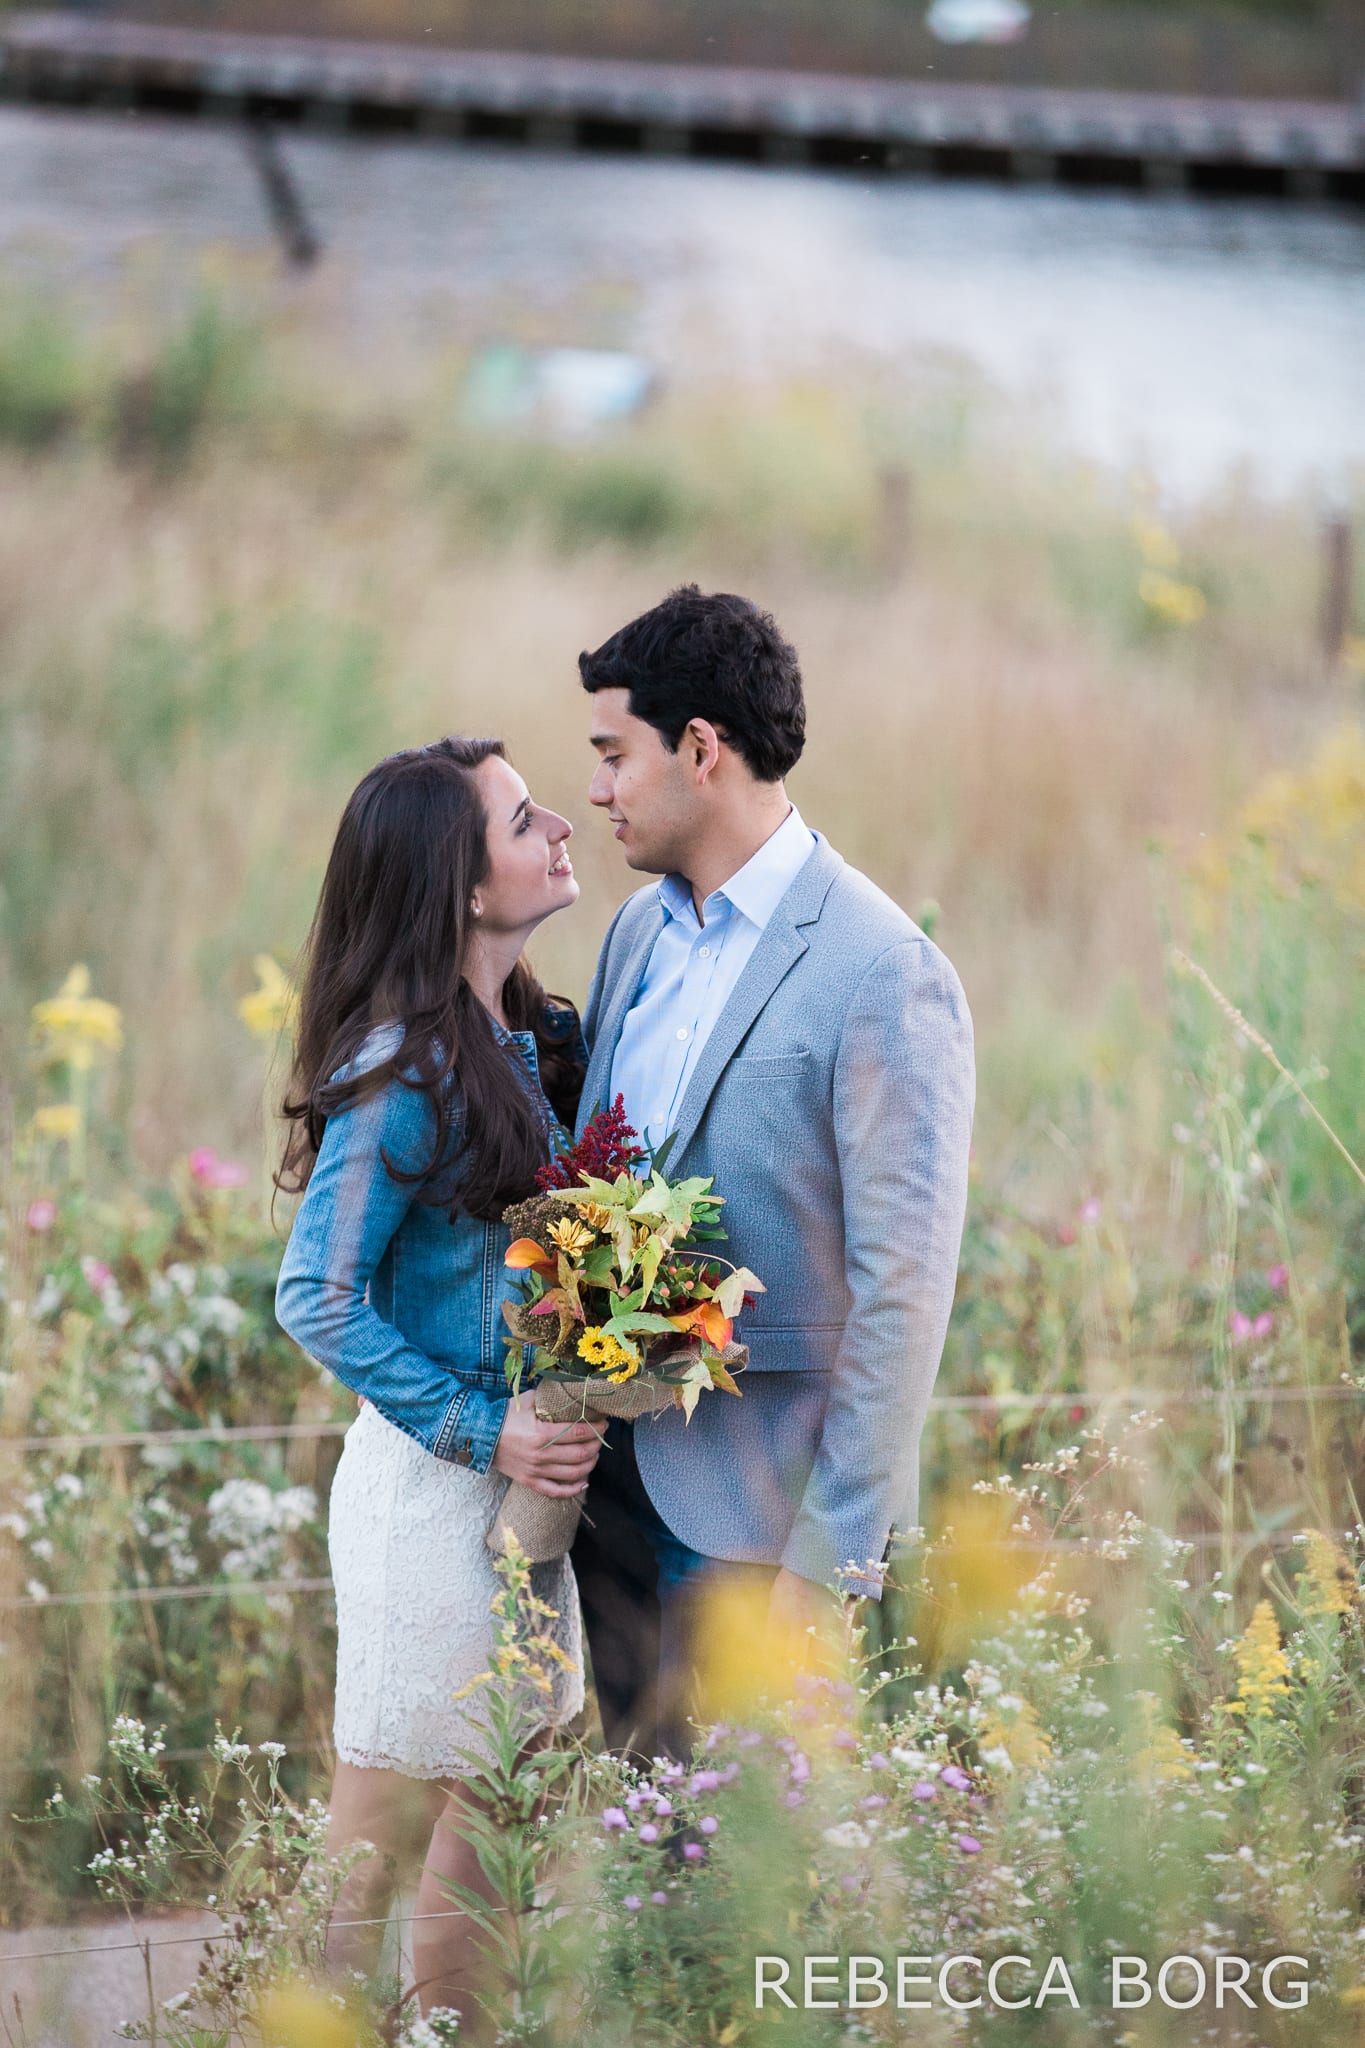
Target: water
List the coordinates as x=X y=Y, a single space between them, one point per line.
x=1197 y=336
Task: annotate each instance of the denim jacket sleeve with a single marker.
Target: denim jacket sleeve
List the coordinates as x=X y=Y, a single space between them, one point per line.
x=350 y=1210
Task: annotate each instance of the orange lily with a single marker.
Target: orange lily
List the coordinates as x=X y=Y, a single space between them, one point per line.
x=710 y=1319
x=526 y=1253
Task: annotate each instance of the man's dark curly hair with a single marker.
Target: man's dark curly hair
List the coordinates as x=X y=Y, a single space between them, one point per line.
x=716 y=657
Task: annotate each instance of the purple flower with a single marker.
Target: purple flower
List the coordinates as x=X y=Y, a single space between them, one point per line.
x=843 y=1739
x=969 y=1845
x=693 y=1851
x=795 y=1798
x=704 y=1781
x=614 y=1819
x=1239 y=1325
x=850 y=1880
x=922 y=1789
x=956 y=1779
x=663 y=1807
x=749 y=1738
x=631 y=1902
x=800 y=1767
x=649 y=1833
x=708 y=1824
x=1264 y=1324
x=1277 y=1279
x=1090 y=1210
x=658 y=1898
x=635 y=1800
x=729 y=1774
x=875 y=1799
x=878 y=1762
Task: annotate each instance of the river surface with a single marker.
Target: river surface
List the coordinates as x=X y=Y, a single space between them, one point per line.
x=1200 y=337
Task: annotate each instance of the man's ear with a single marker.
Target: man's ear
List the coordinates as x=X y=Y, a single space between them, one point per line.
x=703 y=744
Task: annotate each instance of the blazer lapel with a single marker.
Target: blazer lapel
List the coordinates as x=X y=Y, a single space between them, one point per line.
x=615 y=1004
x=779 y=948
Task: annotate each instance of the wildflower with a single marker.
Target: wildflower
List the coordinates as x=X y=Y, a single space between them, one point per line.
x=631 y=1902
x=794 y=1798
x=97 y=1274
x=922 y=1789
x=708 y=1824
x=649 y=1833
x=848 y=1834
x=1240 y=1325
x=1090 y=1210
x=271 y=1004
x=1277 y=1279
x=75 y=1028
x=594 y=1215
x=614 y=1820
x=969 y=1845
x=955 y=1777
x=1179 y=604
x=570 y=1235
x=42 y=1214
x=61 y=1120
x=273 y=1751
x=693 y=1851
x=663 y=1807
x=704 y=1781
x=212 y=1172
x=1262 y=1666
x=658 y=1898
x=1327 y=1585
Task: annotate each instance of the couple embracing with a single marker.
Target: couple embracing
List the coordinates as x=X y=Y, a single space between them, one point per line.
x=801 y=1039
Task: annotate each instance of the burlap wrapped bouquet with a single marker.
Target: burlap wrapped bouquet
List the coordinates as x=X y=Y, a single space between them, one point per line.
x=627 y=1309
x=542 y=1526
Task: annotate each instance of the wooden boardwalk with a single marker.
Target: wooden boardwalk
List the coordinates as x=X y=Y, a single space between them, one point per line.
x=1295 y=148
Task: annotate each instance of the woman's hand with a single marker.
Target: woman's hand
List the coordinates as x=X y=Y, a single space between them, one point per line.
x=550 y=1457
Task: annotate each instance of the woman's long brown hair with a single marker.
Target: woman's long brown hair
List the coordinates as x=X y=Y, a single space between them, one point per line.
x=388 y=945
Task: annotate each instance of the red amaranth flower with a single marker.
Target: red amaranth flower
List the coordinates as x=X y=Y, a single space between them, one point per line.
x=603 y=1151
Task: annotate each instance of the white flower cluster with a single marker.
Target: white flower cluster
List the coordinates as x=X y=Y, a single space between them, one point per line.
x=245 y=1515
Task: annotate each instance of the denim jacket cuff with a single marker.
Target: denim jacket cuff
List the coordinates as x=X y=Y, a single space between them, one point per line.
x=469 y=1435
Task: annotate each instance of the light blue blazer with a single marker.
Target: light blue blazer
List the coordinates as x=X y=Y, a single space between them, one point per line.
x=833 y=1103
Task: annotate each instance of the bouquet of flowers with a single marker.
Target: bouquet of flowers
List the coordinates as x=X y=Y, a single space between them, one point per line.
x=627 y=1311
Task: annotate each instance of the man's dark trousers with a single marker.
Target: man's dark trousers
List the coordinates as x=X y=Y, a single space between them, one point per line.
x=640 y=1588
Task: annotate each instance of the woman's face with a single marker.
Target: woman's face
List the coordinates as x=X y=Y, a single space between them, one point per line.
x=530 y=873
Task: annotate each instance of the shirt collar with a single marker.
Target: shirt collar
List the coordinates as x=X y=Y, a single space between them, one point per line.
x=756 y=889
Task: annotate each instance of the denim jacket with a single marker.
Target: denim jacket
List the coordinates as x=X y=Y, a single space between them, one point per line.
x=380 y=1286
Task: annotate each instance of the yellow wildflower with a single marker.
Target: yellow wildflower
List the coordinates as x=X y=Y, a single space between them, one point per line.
x=270 y=1006
x=1027 y=1746
x=570 y=1236
x=76 y=1027
x=595 y=1215
x=1327 y=1585
x=1157 y=542
x=1163 y=1758
x=1181 y=604
x=1263 y=1668
x=58 y=1120
x=592 y=1344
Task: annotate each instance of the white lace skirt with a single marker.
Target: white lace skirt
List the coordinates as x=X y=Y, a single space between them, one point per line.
x=414 y=1583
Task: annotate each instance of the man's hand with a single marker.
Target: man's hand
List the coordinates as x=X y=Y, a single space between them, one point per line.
x=553 y=1458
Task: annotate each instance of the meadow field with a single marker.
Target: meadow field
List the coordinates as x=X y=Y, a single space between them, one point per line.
x=1113 y=1701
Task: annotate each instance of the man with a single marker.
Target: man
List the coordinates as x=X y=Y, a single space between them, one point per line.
x=811 y=1048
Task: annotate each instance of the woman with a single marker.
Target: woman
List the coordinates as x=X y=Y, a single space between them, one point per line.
x=429 y=1071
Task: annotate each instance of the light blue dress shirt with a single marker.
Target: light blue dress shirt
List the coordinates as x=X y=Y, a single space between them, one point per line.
x=690 y=973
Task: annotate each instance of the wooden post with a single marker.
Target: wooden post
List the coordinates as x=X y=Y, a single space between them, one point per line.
x=893 y=519
x=1338 y=582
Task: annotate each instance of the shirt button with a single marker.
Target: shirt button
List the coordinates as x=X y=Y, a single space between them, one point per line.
x=704 y=952
x=682 y=1034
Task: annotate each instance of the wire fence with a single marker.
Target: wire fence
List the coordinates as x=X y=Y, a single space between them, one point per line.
x=147 y=1943
x=1142 y=1397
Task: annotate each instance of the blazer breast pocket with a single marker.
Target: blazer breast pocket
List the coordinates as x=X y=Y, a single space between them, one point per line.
x=768 y=1066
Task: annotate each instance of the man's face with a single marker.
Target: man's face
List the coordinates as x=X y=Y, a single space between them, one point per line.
x=650 y=794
